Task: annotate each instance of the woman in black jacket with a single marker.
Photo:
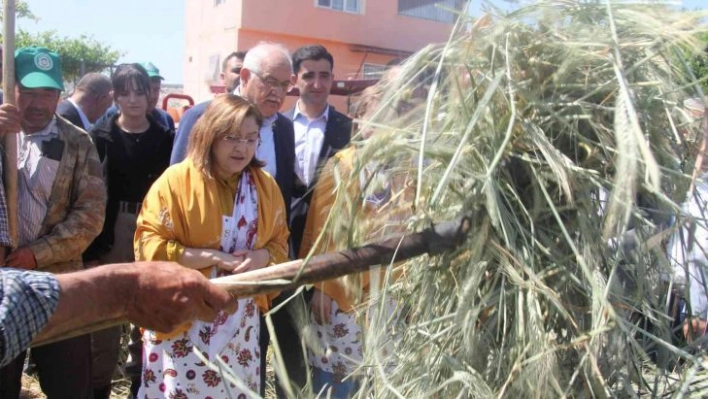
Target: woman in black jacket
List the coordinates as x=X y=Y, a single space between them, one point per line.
x=134 y=150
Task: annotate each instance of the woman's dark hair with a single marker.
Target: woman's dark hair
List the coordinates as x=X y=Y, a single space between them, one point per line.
x=127 y=76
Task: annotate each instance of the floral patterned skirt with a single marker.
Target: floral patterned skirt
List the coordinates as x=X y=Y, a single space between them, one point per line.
x=340 y=343
x=172 y=369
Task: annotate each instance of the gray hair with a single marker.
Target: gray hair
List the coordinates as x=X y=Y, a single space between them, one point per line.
x=263 y=50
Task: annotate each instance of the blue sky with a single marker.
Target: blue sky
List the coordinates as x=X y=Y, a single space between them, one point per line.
x=143 y=30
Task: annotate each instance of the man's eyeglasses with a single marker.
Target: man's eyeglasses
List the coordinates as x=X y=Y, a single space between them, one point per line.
x=237 y=140
x=273 y=83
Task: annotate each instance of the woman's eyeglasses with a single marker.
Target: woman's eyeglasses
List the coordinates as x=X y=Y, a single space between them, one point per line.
x=237 y=140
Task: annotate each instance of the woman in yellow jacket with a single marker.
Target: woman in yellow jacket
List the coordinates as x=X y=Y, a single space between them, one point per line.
x=220 y=213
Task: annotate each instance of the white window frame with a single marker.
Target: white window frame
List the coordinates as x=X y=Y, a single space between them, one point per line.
x=360 y=4
x=429 y=7
x=378 y=70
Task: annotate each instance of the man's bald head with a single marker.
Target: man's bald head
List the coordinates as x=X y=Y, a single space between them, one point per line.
x=93 y=95
x=94 y=82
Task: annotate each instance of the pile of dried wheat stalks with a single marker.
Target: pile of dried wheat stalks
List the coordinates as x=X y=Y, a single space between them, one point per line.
x=560 y=128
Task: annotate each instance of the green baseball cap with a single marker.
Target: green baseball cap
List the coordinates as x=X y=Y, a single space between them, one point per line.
x=38 y=68
x=152 y=70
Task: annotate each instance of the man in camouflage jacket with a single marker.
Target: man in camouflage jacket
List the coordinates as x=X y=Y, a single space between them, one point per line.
x=61 y=207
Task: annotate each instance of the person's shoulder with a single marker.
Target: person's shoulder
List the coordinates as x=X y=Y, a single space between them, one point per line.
x=290 y=114
x=344 y=157
x=156 y=124
x=103 y=127
x=164 y=116
x=338 y=116
x=268 y=189
x=64 y=106
x=198 y=109
x=175 y=175
x=69 y=130
x=283 y=120
x=266 y=180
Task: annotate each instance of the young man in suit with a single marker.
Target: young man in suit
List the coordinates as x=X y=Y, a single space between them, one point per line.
x=90 y=99
x=320 y=131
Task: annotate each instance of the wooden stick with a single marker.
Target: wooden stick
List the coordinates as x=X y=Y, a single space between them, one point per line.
x=9 y=140
x=439 y=238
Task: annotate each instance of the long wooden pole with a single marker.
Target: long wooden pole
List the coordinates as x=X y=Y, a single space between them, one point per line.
x=439 y=238
x=9 y=174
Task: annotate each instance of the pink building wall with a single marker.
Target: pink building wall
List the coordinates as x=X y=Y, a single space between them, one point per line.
x=214 y=31
x=378 y=25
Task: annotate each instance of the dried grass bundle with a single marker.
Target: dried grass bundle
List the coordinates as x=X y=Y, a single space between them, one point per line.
x=560 y=127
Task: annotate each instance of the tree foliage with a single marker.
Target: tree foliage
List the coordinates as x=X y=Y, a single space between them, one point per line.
x=78 y=55
x=22 y=10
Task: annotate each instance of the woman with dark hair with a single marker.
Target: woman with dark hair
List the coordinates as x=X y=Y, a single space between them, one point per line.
x=134 y=150
x=220 y=213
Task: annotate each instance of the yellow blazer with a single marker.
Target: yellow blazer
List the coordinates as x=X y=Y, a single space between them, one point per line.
x=184 y=208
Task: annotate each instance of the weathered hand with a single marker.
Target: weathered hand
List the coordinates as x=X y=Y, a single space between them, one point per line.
x=166 y=295
x=321 y=306
x=21 y=258
x=9 y=119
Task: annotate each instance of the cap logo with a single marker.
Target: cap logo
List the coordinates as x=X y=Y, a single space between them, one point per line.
x=43 y=62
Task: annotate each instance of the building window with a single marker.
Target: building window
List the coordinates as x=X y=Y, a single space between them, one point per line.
x=217 y=2
x=436 y=10
x=341 y=5
x=373 y=71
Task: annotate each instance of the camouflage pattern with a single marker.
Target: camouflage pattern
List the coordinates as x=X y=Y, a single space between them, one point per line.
x=77 y=205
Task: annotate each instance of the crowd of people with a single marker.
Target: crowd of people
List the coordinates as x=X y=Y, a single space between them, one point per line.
x=122 y=217
x=104 y=180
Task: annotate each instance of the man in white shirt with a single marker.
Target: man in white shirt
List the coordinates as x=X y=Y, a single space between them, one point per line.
x=320 y=131
x=90 y=99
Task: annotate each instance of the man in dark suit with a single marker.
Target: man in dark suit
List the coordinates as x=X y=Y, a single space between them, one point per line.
x=266 y=77
x=320 y=131
x=90 y=99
